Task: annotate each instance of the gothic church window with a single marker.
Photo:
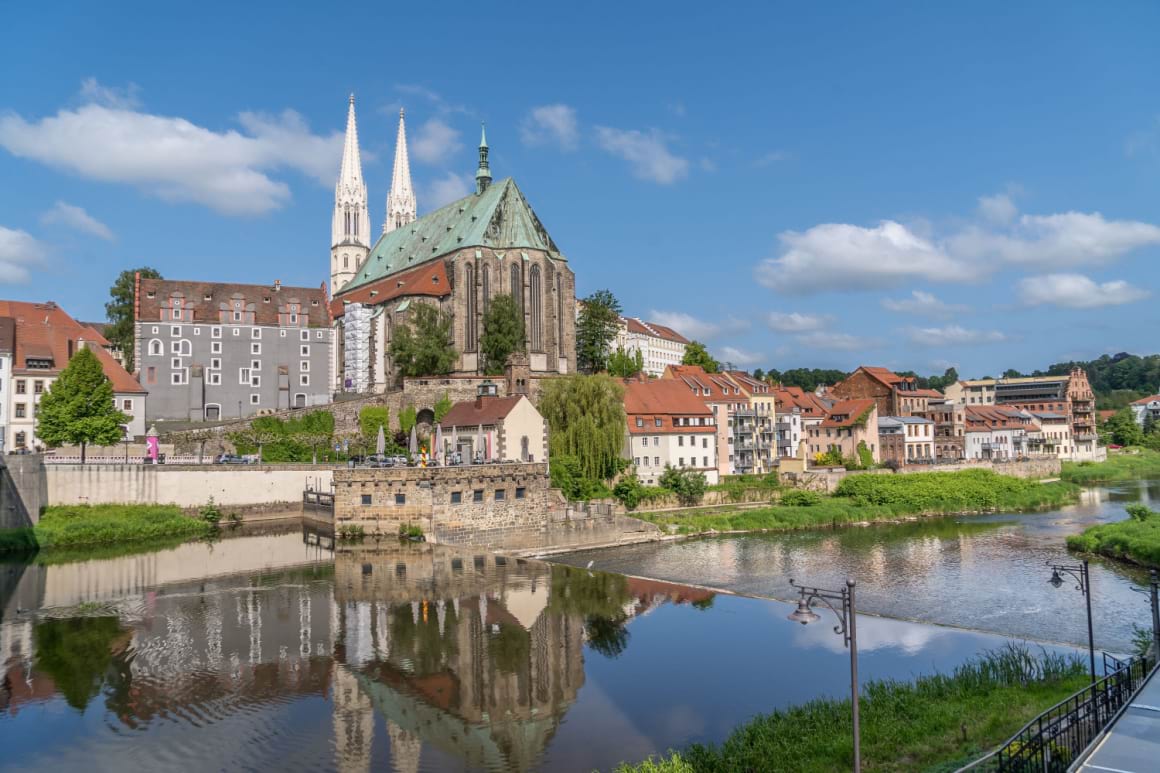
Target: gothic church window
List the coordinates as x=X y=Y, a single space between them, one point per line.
x=537 y=307
x=517 y=287
x=486 y=289
x=469 y=289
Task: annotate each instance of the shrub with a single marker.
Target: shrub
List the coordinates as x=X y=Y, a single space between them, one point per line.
x=1139 y=512
x=411 y=531
x=351 y=532
x=629 y=491
x=800 y=498
x=568 y=476
x=688 y=485
x=210 y=512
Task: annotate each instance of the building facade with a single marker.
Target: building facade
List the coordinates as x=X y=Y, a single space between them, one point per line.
x=494 y=428
x=754 y=444
x=894 y=395
x=457 y=259
x=850 y=424
x=1146 y=407
x=211 y=350
x=950 y=425
x=906 y=440
x=659 y=346
x=668 y=426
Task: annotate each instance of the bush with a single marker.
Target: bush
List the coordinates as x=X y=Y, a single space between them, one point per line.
x=1139 y=512
x=410 y=531
x=953 y=492
x=629 y=491
x=800 y=498
x=1136 y=540
x=84 y=525
x=351 y=532
x=210 y=512
x=568 y=476
x=688 y=485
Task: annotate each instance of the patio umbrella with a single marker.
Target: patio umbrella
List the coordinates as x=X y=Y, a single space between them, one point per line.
x=437 y=450
x=481 y=446
x=381 y=442
x=414 y=440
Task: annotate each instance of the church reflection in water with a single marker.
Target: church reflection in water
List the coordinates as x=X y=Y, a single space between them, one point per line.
x=420 y=648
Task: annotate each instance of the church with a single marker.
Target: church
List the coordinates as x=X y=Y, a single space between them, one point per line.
x=457 y=258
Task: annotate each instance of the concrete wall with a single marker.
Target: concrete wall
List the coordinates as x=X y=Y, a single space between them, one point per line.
x=828 y=480
x=23 y=492
x=182 y=485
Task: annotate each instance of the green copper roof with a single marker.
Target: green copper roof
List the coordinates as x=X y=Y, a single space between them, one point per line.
x=499 y=218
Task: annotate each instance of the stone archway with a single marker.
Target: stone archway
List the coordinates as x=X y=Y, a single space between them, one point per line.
x=425 y=421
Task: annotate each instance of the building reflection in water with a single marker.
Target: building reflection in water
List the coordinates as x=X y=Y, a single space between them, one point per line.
x=473 y=655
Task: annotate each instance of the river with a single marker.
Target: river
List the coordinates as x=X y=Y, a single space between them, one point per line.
x=269 y=650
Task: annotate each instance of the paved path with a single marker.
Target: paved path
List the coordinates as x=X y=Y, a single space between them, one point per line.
x=1132 y=744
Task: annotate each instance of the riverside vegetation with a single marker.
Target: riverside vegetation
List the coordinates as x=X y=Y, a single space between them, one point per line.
x=938 y=721
x=74 y=526
x=870 y=498
x=1136 y=540
x=1129 y=465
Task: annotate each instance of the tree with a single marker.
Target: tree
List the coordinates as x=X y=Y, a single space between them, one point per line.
x=688 y=485
x=697 y=354
x=585 y=417
x=370 y=418
x=1150 y=425
x=503 y=334
x=255 y=436
x=596 y=329
x=759 y=374
x=1122 y=429
x=79 y=407
x=194 y=438
x=119 y=309
x=442 y=407
x=625 y=365
x=422 y=345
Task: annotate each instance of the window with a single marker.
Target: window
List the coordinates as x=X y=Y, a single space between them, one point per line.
x=175 y=362
x=38 y=387
x=255 y=365
x=456 y=497
x=197 y=331
x=366 y=499
x=255 y=381
x=156 y=347
x=400 y=499
x=215 y=332
x=151 y=375
x=304 y=366
x=304 y=335
x=304 y=350
x=175 y=330
x=644 y=442
x=657 y=441
x=681 y=462
x=214 y=379
x=680 y=440
x=215 y=363
x=282 y=333
x=126 y=405
x=237 y=331
x=477 y=495
x=256 y=332
x=536 y=304
x=304 y=379
x=177 y=377
x=20 y=386
x=500 y=494
x=706 y=462
x=521 y=492
x=21 y=439
x=215 y=347
x=156 y=330
x=182 y=347
x=255 y=348
x=646 y=461
x=704 y=442
x=639 y=421
x=656 y=461
x=318 y=335
x=658 y=422
x=237 y=318
x=255 y=399
x=636 y=460
x=243 y=375
x=20 y=410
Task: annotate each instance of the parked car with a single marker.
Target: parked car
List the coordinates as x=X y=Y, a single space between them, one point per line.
x=379 y=460
x=231 y=459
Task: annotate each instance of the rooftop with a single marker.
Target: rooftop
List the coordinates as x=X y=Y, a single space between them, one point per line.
x=208 y=299
x=482 y=411
x=848 y=413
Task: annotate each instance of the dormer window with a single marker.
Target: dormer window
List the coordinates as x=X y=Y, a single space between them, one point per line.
x=150 y=294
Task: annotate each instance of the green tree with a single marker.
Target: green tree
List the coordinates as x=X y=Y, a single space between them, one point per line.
x=503 y=334
x=688 y=485
x=625 y=365
x=759 y=374
x=697 y=354
x=370 y=418
x=442 y=407
x=422 y=345
x=596 y=329
x=1150 y=425
x=194 y=439
x=1123 y=430
x=258 y=435
x=407 y=419
x=119 y=309
x=79 y=408
x=585 y=416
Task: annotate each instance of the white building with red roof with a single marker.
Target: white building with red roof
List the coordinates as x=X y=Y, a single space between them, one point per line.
x=659 y=346
x=669 y=426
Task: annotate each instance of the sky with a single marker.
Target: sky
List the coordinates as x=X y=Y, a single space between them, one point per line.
x=913 y=185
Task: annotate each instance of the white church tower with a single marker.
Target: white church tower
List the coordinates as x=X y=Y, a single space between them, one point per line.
x=351 y=228
x=401 y=198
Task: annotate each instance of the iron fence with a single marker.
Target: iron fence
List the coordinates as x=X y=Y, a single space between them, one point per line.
x=1051 y=742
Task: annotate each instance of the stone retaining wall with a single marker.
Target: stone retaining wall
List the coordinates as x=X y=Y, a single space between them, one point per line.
x=826 y=480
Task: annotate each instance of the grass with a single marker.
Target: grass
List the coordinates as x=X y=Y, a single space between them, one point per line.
x=85 y=526
x=1136 y=540
x=1129 y=465
x=931 y=721
x=873 y=498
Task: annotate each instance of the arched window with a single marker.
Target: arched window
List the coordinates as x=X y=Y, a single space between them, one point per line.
x=517 y=287
x=346 y=261
x=356 y=223
x=537 y=307
x=469 y=288
x=524 y=449
x=559 y=315
x=486 y=288
x=156 y=347
x=346 y=220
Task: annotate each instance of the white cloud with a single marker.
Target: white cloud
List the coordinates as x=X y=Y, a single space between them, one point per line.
x=739 y=357
x=435 y=142
x=551 y=124
x=953 y=335
x=822 y=339
x=924 y=304
x=126 y=98
x=773 y=157
x=647 y=154
x=691 y=327
x=175 y=159
x=1055 y=241
x=838 y=256
x=77 y=219
x=18 y=251
x=795 y=322
x=446 y=189
x=1076 y=291
x=999 y=208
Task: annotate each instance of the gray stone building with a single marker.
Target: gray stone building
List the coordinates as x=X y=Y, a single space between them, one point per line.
x=212 y=350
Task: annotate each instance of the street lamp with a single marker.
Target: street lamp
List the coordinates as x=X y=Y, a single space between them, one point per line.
x=1084 y=585
x=846 y=627
x=1153 y=592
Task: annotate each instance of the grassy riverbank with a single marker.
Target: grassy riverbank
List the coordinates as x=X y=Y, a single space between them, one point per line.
x=1136 y=540
x=873 y=498
x=932 y=721
x=101 y=525
x=1129 y=465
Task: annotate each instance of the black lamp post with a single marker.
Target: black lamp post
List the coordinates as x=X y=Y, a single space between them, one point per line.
x=1153 y=592
x=846 y=627
x=1084 y=585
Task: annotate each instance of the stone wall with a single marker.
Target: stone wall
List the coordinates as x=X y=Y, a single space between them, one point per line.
x=492 y=500
x=23 y=491
x=827 y=479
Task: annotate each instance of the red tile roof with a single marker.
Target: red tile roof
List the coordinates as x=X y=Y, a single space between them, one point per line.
x=640 y=327
x=265 y=301
x=719 y=387
x=490 y=410
x=663 y=399
x=847 y=412
x=885 y=375
x=931 y=393
x=1145 y=400
x=429 y=280
x=808 y=403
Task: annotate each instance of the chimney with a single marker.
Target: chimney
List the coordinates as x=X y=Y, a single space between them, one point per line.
x=277 y=285
x=484 y=390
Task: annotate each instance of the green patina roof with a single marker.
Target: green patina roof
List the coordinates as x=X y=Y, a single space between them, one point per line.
x=499 y=218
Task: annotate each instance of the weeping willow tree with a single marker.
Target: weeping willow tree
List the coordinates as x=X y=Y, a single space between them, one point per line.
x=585 y=416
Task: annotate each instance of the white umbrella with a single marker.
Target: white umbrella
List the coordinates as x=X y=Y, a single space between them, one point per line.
x=437 y=451
x=414 y=440
x=381 y=442
x=481 y=447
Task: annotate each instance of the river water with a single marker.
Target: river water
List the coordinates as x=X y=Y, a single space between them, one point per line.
x=270 y=650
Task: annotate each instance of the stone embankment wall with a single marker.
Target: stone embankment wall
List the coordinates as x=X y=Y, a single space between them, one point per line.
x=828 y=479
x=22 y=490
x=182 y=485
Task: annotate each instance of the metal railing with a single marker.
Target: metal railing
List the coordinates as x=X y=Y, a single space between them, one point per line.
x=1053 y=740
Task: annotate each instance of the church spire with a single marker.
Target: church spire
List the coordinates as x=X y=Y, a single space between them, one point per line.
x=483 y=174
x=350 y=226
x=401 y=207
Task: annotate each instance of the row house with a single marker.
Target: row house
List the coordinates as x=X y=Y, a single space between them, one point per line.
x=894 y=395
x=906 y=440
x=659 y=346
x=995 y=433
x=726 y=400
x=797 y=412
x=213 y=350
x=753 y=427
x=950 y=427
x=849 y=424
x=37 y=340
x=669 y=426
x=1146 y=407
x=1051 y=436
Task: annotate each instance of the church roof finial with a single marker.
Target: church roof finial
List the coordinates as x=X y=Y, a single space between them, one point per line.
x=351 y=171
x=401 y=208
x=483 y=174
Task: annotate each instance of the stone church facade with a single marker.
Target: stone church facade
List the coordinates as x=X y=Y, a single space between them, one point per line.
x=456 y=258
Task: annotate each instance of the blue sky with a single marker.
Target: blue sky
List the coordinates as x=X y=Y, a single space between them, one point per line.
x=904 y=184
